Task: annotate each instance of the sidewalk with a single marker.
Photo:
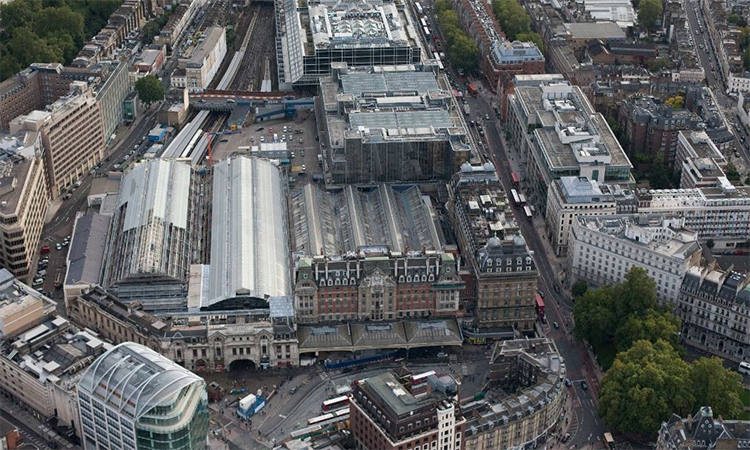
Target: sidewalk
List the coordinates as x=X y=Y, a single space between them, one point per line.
x=39 y=430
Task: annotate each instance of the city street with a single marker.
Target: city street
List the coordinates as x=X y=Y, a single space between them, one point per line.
x=579 y=366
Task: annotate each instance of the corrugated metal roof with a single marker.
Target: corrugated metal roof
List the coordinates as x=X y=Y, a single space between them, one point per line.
x=159 y=189
x=87 y=249
x=248 y=239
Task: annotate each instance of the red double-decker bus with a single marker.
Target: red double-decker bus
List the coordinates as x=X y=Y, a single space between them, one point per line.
x=472 y=90
x=514 y=178
x=539 y=306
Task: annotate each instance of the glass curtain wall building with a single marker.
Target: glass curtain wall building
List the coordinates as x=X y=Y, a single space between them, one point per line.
x=133 y=398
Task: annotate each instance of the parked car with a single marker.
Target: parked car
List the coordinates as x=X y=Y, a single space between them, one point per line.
x=584 y=386
x=293 y=389
x=555 y=324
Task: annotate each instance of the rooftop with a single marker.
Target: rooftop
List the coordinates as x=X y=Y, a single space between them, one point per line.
x=594 y=30
x=16 y=297
x=248 y=232
x=17 y=154
x=54 y=351
x=396 y=396
x=201 y=51
x=583 y=190
x=147 y=379
x=336 y=223
x=660 y=234
x=87 y=248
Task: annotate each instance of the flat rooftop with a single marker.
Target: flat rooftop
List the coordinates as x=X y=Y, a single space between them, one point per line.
x=595 y=30
x=396 y=396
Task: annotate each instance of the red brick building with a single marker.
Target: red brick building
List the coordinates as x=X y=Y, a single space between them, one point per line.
x=390 y=412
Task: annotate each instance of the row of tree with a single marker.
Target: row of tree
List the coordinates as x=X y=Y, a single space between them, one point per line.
x=48 y=30
x=462 y=50
x=515 y=22
x=648 y=380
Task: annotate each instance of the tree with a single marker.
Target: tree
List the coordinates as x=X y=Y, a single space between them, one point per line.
x=463 y=52
x=511 y=17
x=532 y=37
x=732 y=172
x=149 y=89
x=652 y=326
x=649 y=13
x=580 y=287
x=710 y=244
x=675 y=102
x=660 y=63
x=149 y=32
x=734 y=18
x=644 y=386
x=594 y=316
x=634 y=295
x=442 y=5
x=717 y=387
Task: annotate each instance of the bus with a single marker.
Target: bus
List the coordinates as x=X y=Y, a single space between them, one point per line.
x=744 y=368
x=514 y=178
x=539 y=306
x=457 y=93
x=522 y=198
x=427 y=32
x=473 y=90
x=609 y=441
x=424 y=22
x=420 y=11
x=440 y=65
x=527 y=212
x=335 y=403
x=319 y=419
x=421 y=378
x=514 y=197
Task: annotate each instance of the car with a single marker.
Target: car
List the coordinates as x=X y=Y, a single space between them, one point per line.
x=143 y=138
x=293 y=389
x=584 y=386
x=541 y=294
x=262 y=139
x=135 y=147
x=442 y=355
x=252 y=138
x=292 y=155
x=44 y=260
x=568 y=383
x=46 y=249
x=37 y=282
x=116 y=166
x=41 y=273
x=555 y=324
x=304 y=167
x=58 y=247
x=486 y=117
x=302 y=153
x=270 y=131
x=224 y=140
x=566 y=438
x=260 y=129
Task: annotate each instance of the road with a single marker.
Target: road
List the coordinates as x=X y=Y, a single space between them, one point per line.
x=587 y=422
x=62 y=223
x=706 y=50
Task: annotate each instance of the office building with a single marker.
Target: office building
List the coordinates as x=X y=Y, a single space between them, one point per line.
x=508 y=59
x=72 y=136
x=720 y=213
x=601 y=251
x=370 y=253
x=201 y=62
x=309 y=40
x=570 y=197
x=580 y=34
x=702 y=430
x=24 y=199
x=390 y=124
x=387 y=412
x=554 y=128
x=42 y=366
x=503 y=271
x=652 y=128
x=133 y=398
x=22 y=307
x=712 y=308
x=150 y=244
x=110 y=94
x=700 y=161
x=525 y=400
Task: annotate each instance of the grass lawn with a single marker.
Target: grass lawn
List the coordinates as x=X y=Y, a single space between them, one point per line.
x=606 y=355
x=745 y=397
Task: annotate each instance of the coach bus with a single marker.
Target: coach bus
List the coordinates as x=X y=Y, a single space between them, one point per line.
x=514 y=196
x=335 y=403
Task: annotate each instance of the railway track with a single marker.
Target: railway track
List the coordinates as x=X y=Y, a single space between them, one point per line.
x=260 y=46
